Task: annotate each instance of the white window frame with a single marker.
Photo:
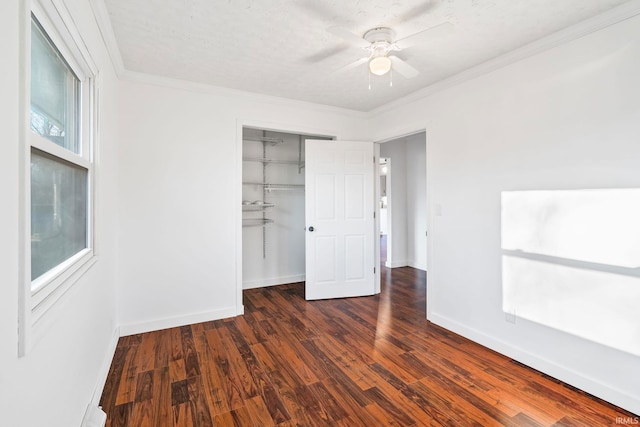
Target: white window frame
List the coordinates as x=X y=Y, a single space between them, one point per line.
x=39 y=296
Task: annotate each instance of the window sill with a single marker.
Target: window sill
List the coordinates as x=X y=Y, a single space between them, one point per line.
x=51 y=286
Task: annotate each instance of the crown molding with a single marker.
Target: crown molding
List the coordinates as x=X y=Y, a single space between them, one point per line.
x=103 y=22
x=574 y=32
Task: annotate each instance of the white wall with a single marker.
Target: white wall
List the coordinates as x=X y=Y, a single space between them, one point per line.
x=180 y=165
x=568 y=118
x=416 y=179
x=408 y=210
x=53 y=384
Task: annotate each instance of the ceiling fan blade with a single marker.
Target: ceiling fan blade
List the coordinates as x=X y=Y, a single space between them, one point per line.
x=403 y=68
x=425 y=35
x=351 y=65
x=348 y=36
x=325 y=54
x=414 y=12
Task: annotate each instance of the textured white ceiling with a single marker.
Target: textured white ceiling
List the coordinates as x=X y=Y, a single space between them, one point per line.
x=282 y=47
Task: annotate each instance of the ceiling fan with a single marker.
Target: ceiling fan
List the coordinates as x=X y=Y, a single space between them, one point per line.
x=380 y=44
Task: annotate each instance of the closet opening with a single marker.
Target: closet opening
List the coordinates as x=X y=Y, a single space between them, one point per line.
x=273 y=207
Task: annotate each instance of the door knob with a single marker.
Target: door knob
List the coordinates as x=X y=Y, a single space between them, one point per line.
x=311 y=228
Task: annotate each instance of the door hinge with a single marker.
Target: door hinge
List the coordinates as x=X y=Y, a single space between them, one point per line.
x=374 y=214
x=374 y=270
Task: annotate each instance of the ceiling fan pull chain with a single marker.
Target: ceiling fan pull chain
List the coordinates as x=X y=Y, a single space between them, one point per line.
x=369 y=79
x=391 y=77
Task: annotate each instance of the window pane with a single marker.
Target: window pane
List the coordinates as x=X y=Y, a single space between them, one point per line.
x=54 y=93
x=58 y=212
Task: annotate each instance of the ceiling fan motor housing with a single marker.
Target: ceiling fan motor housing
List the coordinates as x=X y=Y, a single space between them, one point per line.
x=380 y=34
x=381 y=40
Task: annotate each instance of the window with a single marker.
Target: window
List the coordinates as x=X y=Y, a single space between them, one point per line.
x=58 y=212
x=59 y=190
x=59 y=169
x=55 y=91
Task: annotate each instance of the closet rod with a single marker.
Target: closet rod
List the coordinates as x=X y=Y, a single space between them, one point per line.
x=264 y=139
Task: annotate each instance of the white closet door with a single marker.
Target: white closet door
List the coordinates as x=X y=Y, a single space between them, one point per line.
x=339 y=211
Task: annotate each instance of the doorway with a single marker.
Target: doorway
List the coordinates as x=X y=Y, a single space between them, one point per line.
x=259 y=212
x=384 y=166
x=405 y=213
x=273 y=207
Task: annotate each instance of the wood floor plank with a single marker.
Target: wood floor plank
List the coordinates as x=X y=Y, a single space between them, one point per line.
x=162 y=397
x=264 y=386
x=476 y=384
x=145 y=357
x=177 y=372
x=213 y=380
x=329 y=404
x=112 y=384
x=143 y=414
x=182 y=416
x=308 y=400
x=351 y=402
x=433 y=406
x=251 y=330
x=242 y=418
x=225 y=419
x=292 y=355
x=298 y=412
x=129 y=378
x=175 y=342
x=349 y=362
x=199 y=405
x=120 y=415
x=191 y=361
x=219 y=360
x=382 y=417
x=179 y=392
x=162 y=350
x=336 y=373
x=259 y=412
x=346 y=361
x=284 y=360
x=237 y=368
x=391 y=409
x=144 y=386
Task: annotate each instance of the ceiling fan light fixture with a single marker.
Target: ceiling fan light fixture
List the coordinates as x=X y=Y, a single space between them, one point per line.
x=380 y=65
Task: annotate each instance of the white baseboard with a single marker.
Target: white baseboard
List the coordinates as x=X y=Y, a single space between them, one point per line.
x=172 y=322
x=563 y=373
x=104 y=368
x=94 y=416
x=262 y=283
x=417 y=265
x=396 y=264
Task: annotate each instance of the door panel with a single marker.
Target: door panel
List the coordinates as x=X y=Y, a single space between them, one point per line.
x=339 y=202
x=325 y=185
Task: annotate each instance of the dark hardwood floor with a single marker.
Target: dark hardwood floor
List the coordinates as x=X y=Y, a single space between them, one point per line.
x=350 y=362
